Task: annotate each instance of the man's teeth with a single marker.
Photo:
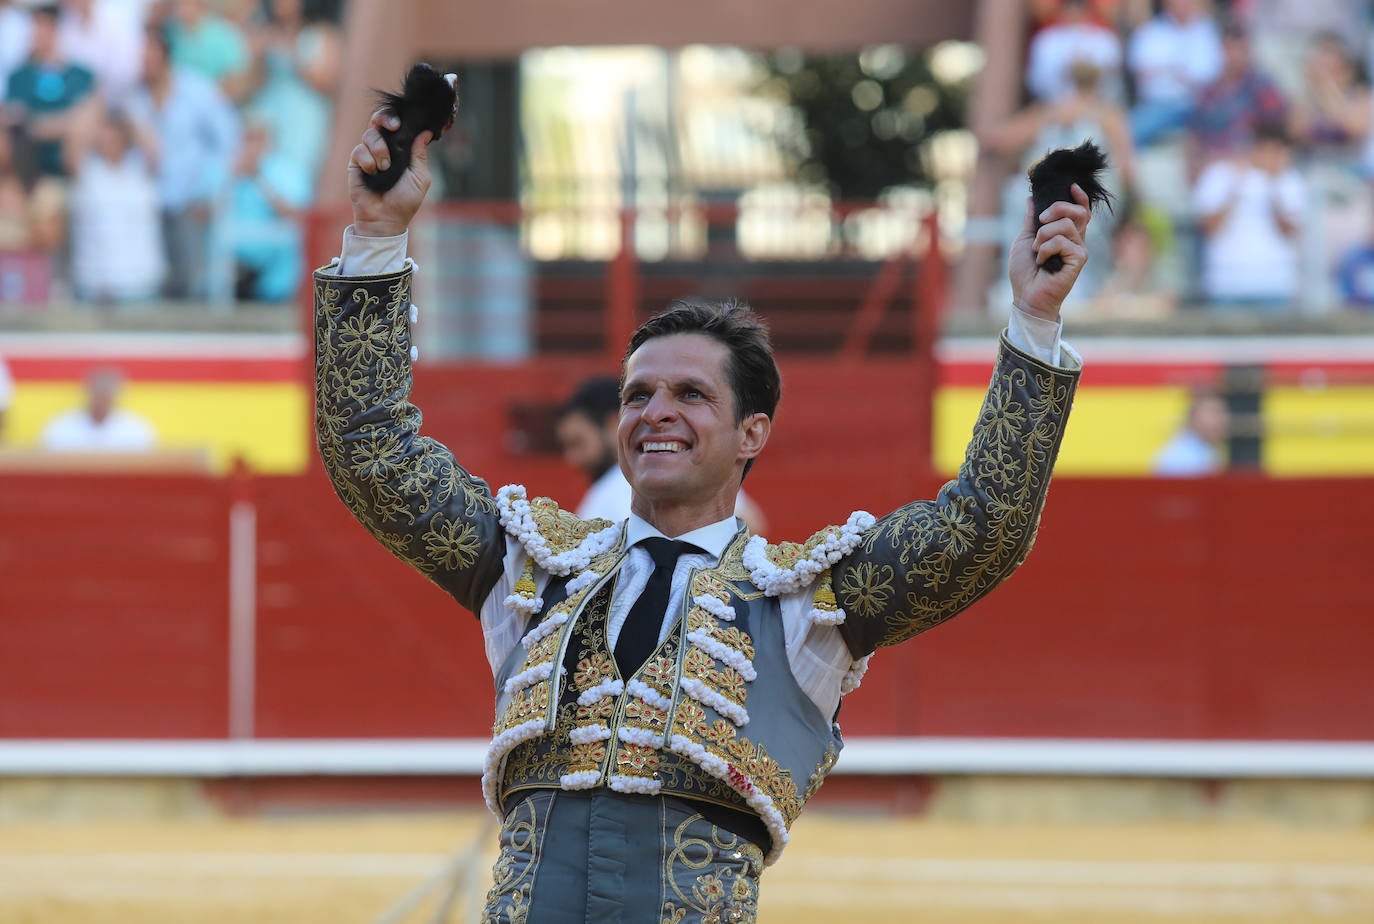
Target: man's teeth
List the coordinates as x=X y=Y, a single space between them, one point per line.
x=662 y=447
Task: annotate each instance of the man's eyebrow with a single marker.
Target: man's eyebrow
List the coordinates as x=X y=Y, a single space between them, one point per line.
x=690 y=382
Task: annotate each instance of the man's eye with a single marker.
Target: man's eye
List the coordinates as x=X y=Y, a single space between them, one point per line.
x=636 y=397
x=693 y=395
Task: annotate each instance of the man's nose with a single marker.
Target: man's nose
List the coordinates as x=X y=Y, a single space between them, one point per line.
x=659 y=407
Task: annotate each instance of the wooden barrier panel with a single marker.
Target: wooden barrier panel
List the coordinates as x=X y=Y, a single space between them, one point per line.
x=113 y=606
x=1227 y=609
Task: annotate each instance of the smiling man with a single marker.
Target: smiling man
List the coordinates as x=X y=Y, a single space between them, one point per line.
x=666 y=685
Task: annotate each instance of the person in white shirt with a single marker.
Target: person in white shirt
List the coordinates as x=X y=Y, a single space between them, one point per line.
x=1197 y=448
x=106 y=38
x=1171 y=58
x=100 y=426
x=585 y=427
x=1250 y=212
x=1073 y=38
x=6 y=396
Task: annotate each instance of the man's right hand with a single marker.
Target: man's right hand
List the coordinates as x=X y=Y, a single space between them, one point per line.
x=386 y=214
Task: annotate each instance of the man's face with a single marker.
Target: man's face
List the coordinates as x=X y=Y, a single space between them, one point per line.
x=586 y=445
x=679 y=441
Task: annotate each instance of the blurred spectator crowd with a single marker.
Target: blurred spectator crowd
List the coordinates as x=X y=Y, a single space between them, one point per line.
x=1240 y=140
x=160 y=149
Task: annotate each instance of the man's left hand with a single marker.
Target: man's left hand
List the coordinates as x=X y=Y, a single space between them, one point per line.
x=1033 y=289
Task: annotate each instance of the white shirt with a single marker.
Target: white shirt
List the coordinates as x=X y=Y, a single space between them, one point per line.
x=109 y=45
x=1248 y=256
x=115 y=229
x=607 y=498
x=1171 y=61
x=1187 y=455
x=121 y=431
x=817 y=654
x=6 y=387
x=1056 y=48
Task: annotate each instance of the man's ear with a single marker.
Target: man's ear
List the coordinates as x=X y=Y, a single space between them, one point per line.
x=756 y=428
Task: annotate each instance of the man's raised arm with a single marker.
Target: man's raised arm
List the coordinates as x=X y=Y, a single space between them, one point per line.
x=405 y=488
x=927 y=561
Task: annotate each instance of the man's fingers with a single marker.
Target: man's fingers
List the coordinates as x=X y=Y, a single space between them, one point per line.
x=376 y=146
x=384 y=118
x=1080 y=196
x=1073 y=253
x=419 y=150
x=362 y=159
x=1028 y=223
x=1062 y=227
x=1076 y=213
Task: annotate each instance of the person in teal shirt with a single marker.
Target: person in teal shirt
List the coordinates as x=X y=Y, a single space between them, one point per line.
x=45 y=92
x=206 y=43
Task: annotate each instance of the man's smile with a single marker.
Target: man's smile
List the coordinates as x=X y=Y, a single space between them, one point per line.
x=661 y=446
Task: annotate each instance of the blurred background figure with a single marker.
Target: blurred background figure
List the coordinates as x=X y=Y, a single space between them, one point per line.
x=16 y=33
x=1331 y=117
x=585 y=427
x=44 y=99
x=16 y=232
x=1198 y=448
x=297 y=75
x=106 y=38
x=197 y=136
x=99 y=426
x=1073 y=36
x=6 y=395
x=117 y=251
x=1250 y=211
x=1228 y=109
x=1081 y=114
x=208 y=44
x=269 y=192
x=1135 y=286
x=1171 y=58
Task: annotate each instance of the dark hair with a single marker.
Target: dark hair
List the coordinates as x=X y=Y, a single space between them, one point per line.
x=1272 y=130
x=594 y=398
x=751 y=370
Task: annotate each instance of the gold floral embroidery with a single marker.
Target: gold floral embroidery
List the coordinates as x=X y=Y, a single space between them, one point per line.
x=867 y=587
x=592 y=670
x=637 y=760
x=560 y=529
x=927 y=561
x=513 y=875
x=713 y=874
x=646 y=716
x=406 y=489
x=451 y=543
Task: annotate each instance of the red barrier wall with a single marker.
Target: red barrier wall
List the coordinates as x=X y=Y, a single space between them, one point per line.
x=1225 y=609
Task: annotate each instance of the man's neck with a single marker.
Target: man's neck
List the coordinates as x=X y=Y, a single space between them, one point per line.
x=674 y=520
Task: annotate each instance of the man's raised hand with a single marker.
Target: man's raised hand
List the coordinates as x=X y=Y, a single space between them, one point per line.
x=1063 y=231
x=386 y=214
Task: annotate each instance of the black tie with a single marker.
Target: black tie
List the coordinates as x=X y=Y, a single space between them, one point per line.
x=639 y=636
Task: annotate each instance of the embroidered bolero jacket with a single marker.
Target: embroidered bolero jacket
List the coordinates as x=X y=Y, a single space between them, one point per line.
x=714 y=714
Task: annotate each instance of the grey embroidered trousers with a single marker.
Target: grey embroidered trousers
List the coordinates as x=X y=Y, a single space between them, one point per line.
x=602 y=857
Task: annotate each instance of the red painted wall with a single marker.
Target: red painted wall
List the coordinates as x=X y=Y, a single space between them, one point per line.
x=1234 y=608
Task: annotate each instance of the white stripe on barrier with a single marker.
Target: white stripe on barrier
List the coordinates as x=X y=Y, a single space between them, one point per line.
x=872 y=756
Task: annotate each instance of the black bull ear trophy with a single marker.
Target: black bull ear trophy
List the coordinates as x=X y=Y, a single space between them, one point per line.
x=427 y=102
x=1052 y=175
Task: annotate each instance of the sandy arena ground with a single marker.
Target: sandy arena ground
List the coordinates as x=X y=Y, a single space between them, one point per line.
x=350 y=869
